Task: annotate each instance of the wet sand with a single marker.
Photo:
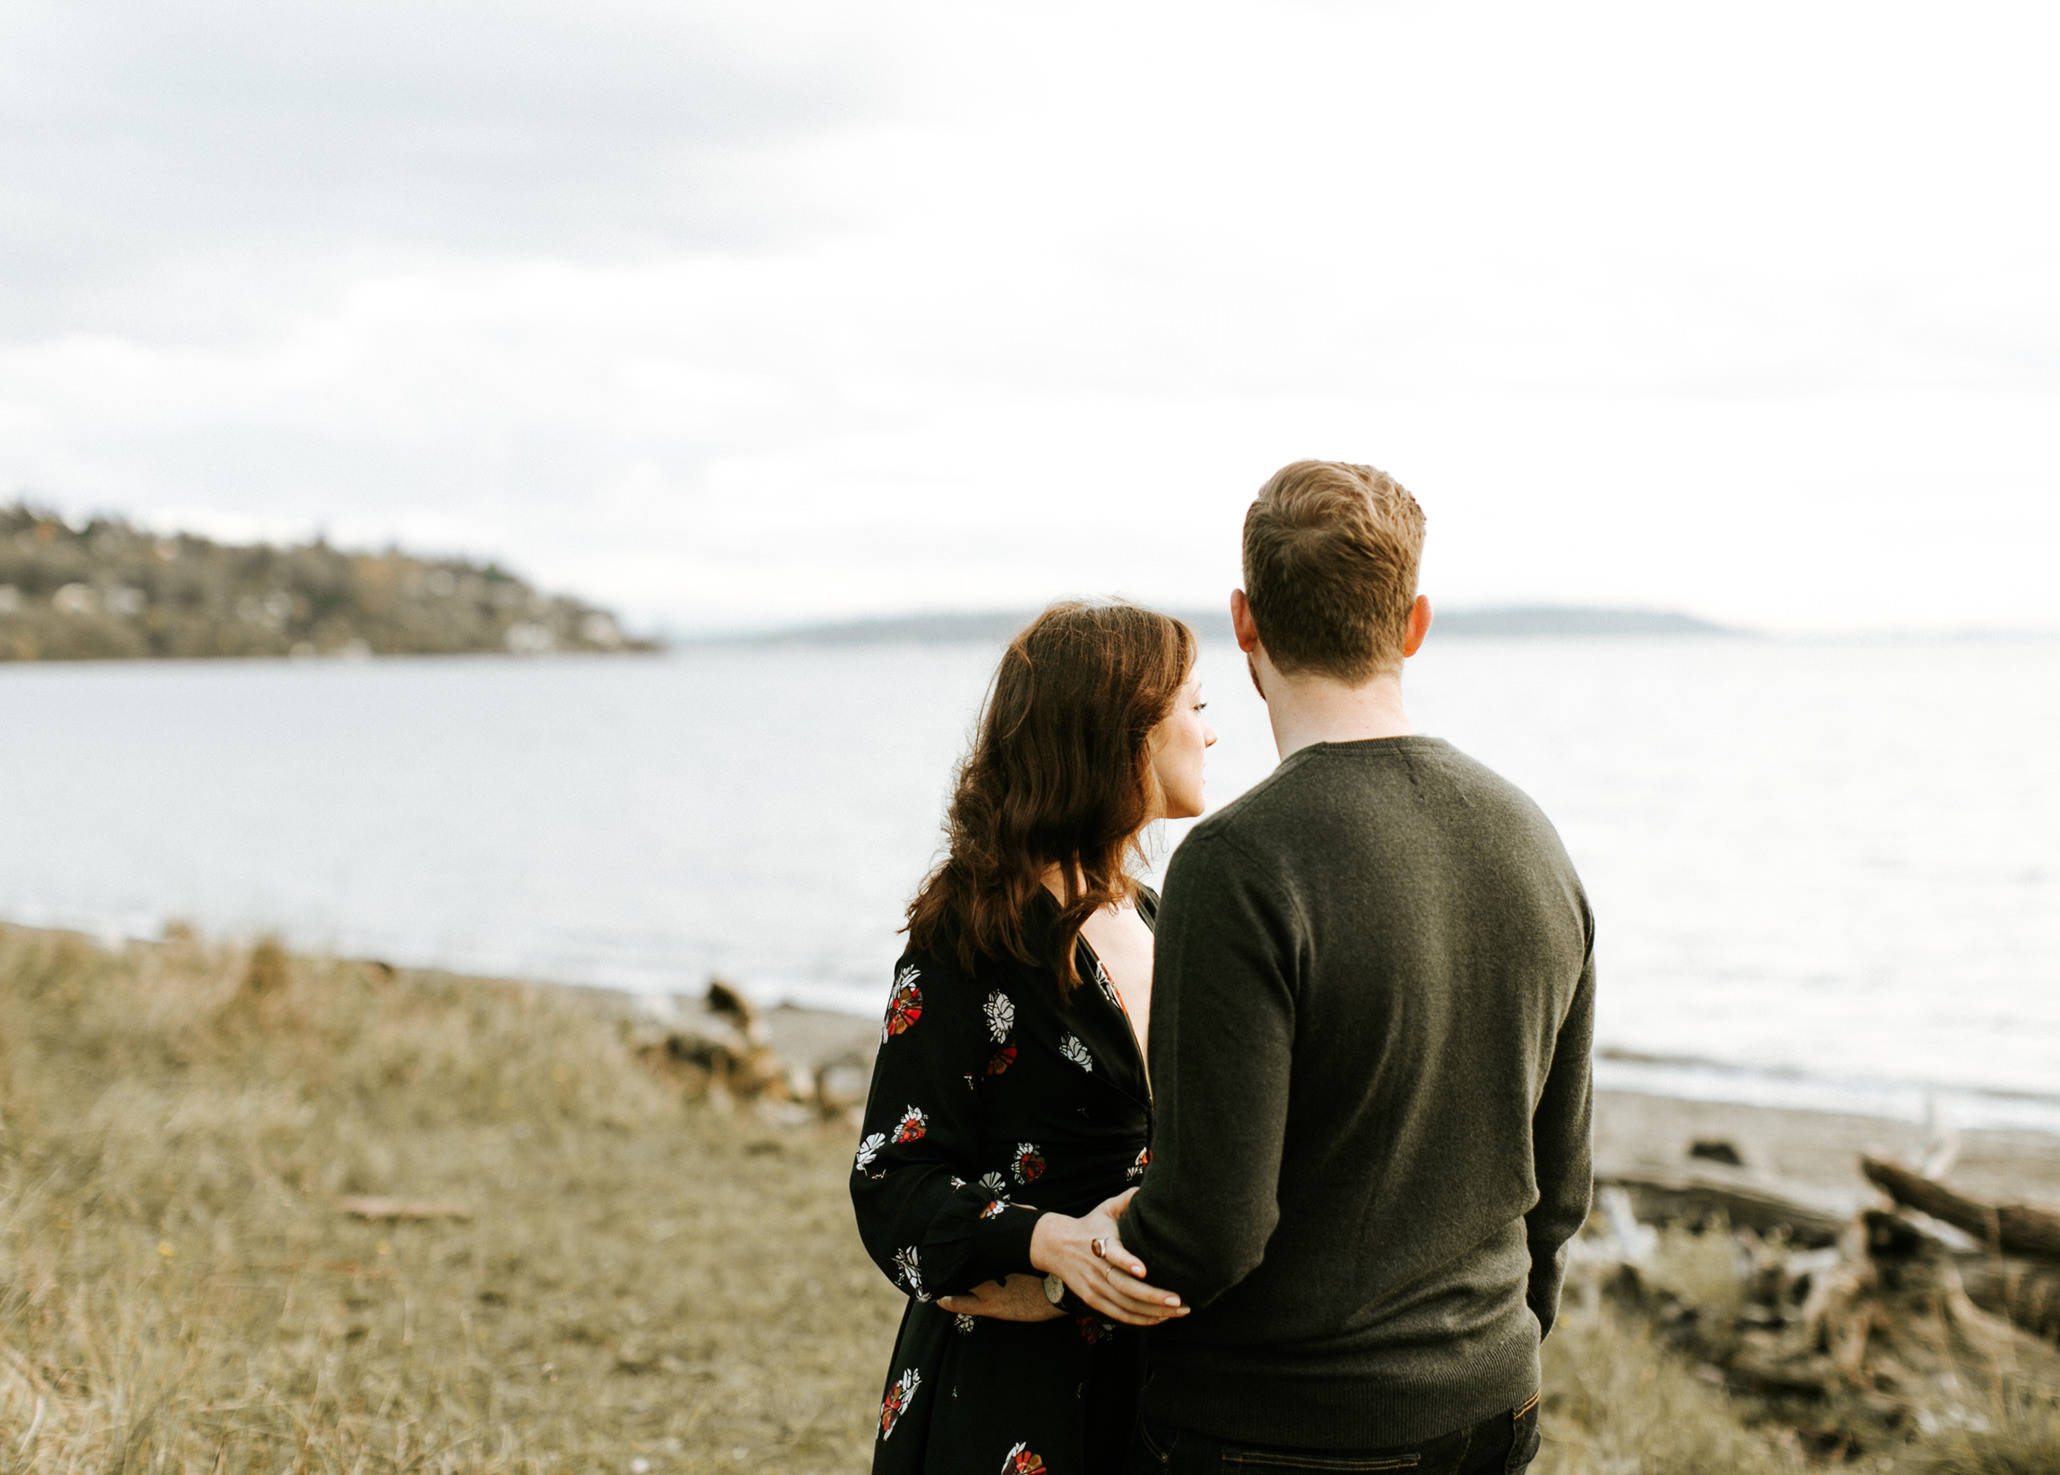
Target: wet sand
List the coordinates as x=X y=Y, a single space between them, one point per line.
x=1817 y=1150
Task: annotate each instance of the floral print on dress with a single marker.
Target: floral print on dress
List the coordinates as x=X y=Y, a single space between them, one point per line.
x=898 y=1398
x=1001 y=1016
x=1136 y=1170
x=904 y=1006
x=1029 y=1164
x=1106 y=984
x=910 y=1271
x=1061 y=1131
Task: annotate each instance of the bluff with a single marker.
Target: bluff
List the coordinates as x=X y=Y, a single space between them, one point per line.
x=109 y=590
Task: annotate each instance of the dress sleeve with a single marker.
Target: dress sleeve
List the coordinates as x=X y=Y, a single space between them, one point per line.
x=931 y=1221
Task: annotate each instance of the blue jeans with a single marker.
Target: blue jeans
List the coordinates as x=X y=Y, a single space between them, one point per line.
x=1504 y=1444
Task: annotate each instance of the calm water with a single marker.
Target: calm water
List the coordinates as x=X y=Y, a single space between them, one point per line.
x=1823 y=873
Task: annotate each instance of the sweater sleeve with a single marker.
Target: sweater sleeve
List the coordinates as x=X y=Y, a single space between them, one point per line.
x=1223 y=1029
x=1562 y=1148
x=932 y=1227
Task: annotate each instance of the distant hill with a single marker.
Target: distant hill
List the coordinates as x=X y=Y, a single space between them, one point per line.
x=1564 y=620
x=975 y=628
x=111 y=590
x=994 y=626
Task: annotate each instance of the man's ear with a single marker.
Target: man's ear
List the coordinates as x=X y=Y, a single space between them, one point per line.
x=1241 y=622
x=1419 y=626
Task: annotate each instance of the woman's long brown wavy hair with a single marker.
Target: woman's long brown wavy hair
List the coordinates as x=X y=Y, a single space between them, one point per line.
x=1060 y=775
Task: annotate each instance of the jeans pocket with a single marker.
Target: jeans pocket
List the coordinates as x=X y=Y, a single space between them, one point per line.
x=1527 y=1436
x=1158 y=1448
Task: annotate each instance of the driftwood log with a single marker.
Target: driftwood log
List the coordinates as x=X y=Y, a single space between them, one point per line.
x=2007 y=1229
x=1745 y=1200
x=724 y=1054
x=1885 y=1317
x=731 y=1004
x=2026 y=1291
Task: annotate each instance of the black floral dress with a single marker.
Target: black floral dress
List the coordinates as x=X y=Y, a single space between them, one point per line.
x=991 y=1104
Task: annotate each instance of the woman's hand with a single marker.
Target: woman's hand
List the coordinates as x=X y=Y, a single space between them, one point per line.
x=1111 y=1281
x=1019 y=1298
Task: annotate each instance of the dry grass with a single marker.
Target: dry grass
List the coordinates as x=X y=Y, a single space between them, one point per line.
x=2013 y=1435
x=641 y=1285
x=1618 y=1404
x=179 y=1292
x=1634 y=1385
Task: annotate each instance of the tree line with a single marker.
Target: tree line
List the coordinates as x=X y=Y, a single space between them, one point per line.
x=110 y=590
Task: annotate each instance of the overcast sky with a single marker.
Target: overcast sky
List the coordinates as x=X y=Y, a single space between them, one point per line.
x=732 y=314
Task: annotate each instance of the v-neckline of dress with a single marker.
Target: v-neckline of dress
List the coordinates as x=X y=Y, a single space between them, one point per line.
x=1144 y=1066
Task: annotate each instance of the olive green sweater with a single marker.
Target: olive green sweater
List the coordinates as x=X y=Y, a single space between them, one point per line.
x=1372 y=1011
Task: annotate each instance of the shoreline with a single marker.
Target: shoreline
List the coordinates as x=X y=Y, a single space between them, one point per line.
x=1816 y=1151
x=1639 y=1131
x=1642 y=1133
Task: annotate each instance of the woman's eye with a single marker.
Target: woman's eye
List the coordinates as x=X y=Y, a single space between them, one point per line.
x=1201 y=706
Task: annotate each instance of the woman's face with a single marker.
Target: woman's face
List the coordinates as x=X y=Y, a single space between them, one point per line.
x=1179 y=747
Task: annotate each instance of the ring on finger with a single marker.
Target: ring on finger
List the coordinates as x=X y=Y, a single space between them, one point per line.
x=1100 y=1247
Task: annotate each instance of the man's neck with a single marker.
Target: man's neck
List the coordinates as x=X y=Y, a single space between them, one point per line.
x=1317 y=709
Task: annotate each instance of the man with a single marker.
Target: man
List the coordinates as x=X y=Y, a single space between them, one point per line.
x=1372 y=1008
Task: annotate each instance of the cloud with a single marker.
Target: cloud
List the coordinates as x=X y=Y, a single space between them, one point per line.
x=143 y=137
x=740 y=313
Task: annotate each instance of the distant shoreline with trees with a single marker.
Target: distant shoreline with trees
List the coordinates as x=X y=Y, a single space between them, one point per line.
x=982 y=626
x=107 y=589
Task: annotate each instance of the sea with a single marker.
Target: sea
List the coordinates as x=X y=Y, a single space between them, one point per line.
x=1826 y=873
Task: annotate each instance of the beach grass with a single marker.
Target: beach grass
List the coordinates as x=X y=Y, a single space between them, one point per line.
x=637 y=1284
x=635 y=1280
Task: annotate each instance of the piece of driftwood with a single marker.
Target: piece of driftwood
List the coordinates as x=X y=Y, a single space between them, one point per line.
x=1747 y=1201
x=2007 y=1229
x=701 y=1063
x=1884 y=1317
x=731 y=1004
x=1883 y=1325
x=2024 y=1290
x=403 y=1208
x=723 y=1055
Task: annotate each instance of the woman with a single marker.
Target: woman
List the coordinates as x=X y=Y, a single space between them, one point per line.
x=1010 y=1105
